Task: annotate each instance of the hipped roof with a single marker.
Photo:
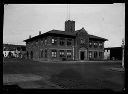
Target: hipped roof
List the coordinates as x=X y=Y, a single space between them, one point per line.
x=59 y=32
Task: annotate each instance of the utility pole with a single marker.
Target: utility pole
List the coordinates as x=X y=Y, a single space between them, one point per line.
x=123 y=53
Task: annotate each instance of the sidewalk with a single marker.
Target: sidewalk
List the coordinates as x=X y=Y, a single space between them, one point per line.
x=79 y=62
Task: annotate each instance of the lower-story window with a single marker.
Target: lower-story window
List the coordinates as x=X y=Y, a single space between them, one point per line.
x=54 y=53
x=69 y=53
x=100 y=54
x=45 y=53
x=42 y=53
x=61 y=53
x=90 y=54
x=95 y=54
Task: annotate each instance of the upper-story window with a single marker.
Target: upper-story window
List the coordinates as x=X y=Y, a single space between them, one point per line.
x=61 y=53
x=45 y=42
x=95 y=44
x=42 y=41
x=100 y=44
x=62 y=41
x=36 y=41
x=69 y=42
x=90 y=44
x=82 y=41
x=54 y=41
x=54 y=53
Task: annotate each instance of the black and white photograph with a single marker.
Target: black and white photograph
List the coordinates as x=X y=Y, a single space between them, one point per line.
x=64 y=46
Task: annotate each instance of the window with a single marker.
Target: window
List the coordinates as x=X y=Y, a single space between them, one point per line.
x=69 y=53
x=61 y=42
x=100 y=44
x=42 y=41
x=36 y=42
x=95 y=44
x=90 y=44
x=45 y=53
x=54 y=41
x=45 y=42
x=54 y=53
x=69 y=42
x=100 y=54
x=95 y=54
x=82 y=41
x=90 y=54
x=42 y=53
x=61 y=53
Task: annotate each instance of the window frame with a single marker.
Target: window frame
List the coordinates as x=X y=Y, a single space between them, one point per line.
x=90 y=44
x=45 y=42
x=95 y=44
x=95 y=54
x=82 y=41
x=62 y=42
x=69 y=42
x=54 y=53
x=54 y=41
x=101 y=45
x=90 y=55
x=69 y=53
x=45 y=51
x=61 y=53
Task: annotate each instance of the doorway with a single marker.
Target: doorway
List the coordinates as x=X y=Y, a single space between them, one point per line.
x=82 y=55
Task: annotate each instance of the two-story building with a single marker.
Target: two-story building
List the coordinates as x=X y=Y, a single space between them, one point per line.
x=15 y=50
x=65 y=45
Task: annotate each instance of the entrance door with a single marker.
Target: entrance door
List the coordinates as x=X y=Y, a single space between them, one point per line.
x=82 y=55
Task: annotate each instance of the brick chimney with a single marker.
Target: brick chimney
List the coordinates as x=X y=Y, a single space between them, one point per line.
x=69 y=26
x=39 y=32
x=29 y=36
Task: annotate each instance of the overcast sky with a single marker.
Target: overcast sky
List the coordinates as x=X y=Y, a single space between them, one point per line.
x=103 y=20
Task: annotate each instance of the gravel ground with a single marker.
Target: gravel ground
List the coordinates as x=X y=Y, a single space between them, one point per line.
x=28 y=81
x=14 y=78
x=31 y=74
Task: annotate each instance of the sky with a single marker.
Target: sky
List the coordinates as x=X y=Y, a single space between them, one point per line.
x=103 y=20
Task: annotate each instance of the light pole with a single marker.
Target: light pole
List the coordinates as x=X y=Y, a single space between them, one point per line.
x=73 y=52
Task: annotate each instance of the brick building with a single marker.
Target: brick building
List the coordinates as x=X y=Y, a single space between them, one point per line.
x=65 y=45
